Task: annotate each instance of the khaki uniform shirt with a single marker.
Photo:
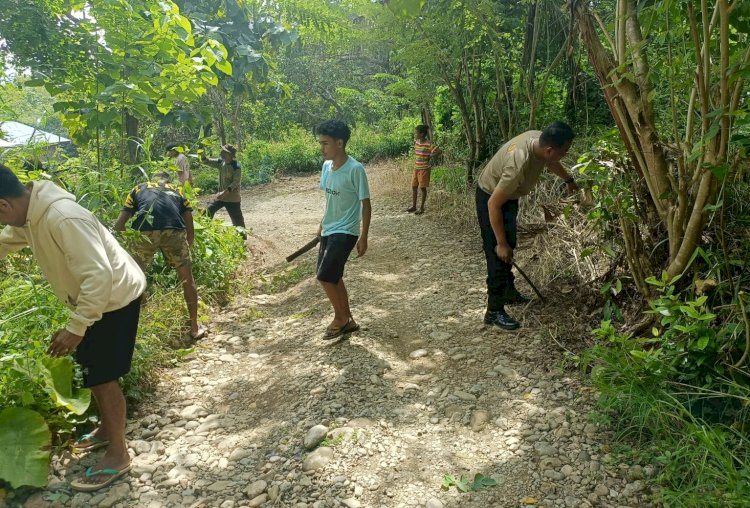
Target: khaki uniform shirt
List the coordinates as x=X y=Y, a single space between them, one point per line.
x=230 y=179
x=514 y=168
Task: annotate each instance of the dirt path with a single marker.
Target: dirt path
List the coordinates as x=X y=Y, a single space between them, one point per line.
x=424 y=390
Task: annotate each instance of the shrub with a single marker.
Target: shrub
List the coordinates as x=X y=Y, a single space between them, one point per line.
x=298 y=152
x=30 y=313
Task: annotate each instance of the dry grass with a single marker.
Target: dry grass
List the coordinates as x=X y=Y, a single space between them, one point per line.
x=553 y=229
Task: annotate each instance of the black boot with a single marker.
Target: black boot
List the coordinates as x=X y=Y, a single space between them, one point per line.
x=513 y=297
x=501 y=319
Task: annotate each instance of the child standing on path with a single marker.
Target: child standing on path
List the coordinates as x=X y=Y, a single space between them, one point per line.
x=424 y=151
x=347 y=203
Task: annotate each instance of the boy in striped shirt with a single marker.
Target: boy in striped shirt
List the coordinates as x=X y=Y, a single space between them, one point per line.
x=424 y=151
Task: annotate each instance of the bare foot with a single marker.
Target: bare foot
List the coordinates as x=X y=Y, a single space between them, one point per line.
x=198 y=333
x=412 y=209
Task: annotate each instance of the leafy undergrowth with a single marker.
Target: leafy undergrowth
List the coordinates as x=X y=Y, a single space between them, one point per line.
x=42 y=394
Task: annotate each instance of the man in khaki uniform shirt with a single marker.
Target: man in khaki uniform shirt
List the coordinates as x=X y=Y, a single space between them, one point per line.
x=513 y=172
x=230 y=179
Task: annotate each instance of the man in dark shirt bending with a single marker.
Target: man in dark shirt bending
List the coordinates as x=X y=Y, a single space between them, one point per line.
x=164 y=217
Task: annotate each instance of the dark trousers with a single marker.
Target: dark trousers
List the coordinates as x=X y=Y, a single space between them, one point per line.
x=233 y=209
x=499 y=273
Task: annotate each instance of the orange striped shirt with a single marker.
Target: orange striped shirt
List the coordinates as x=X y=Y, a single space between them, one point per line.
x=423 y=150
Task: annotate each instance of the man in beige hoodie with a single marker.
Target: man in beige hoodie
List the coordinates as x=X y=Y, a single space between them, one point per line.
x=100 y=283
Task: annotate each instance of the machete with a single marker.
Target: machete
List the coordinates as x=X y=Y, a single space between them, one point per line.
x=529 y=281
x=309 y=245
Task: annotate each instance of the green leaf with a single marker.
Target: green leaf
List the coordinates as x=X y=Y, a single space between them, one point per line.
x=703 y=342
x=463 y=484
x=481 y=481
x=406 y=7
x=720 y=171
x=164 y=106
x=24 y=442
x=224 y=66
x=57 y=374
x=718 y=205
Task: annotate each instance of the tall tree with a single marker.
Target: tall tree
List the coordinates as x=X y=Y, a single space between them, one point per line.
x=111 y=63
x=675 y=117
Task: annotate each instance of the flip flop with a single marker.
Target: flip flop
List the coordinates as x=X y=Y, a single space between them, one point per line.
x=351 y=326
x=334 y=333
x=113 y=474
x=96 y=443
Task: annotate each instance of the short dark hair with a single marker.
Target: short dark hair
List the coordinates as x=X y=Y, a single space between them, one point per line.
x=335 y=129
x=172 y=146
x=556 y=134
x=422 y=129
x=10 y=185
x=230 y=149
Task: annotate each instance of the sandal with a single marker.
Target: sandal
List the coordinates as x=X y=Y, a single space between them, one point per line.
x=351 y=326
x=334 y=333
x=113 y=474
x=96 y=443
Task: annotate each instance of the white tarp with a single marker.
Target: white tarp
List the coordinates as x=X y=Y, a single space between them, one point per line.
x=19 y=134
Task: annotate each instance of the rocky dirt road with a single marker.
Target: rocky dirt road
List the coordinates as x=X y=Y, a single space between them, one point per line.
x=265 y=413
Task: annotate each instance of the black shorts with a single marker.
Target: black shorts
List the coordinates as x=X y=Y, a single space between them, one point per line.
x=332 y=256
x=107 y=347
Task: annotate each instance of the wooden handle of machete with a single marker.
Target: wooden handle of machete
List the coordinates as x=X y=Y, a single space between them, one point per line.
x=309 y=245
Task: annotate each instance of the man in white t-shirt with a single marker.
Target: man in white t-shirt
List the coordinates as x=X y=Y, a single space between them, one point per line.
x=176 y=151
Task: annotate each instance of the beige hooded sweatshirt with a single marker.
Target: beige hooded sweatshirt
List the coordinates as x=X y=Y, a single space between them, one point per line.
x=86 y=267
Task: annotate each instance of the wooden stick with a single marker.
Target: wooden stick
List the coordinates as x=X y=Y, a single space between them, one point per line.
x=309 y=245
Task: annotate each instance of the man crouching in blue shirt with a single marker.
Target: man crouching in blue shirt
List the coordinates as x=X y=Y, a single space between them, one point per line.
x=347 y=203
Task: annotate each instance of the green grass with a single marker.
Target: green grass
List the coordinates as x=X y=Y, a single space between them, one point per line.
x=450 y=178
x=699 y=463
x=287 y=278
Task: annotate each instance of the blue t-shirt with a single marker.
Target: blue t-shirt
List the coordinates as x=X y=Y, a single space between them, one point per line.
x=345 y=188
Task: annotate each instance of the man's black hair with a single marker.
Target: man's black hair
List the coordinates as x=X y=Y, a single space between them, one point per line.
x=335 y=129
x=10 y=185
x=423 y=130
x=556 y=135
x=172 y=146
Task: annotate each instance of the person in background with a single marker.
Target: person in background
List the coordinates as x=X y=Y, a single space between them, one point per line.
x=101 y=284
x=165 y=219
x=424 y=151
x=230 y=179
x=174 y=150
